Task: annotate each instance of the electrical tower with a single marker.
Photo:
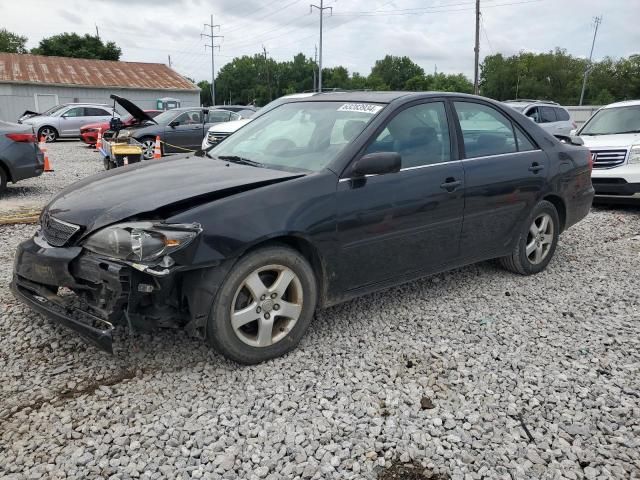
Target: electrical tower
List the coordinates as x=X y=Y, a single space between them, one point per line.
x=597 y=21
x=321 y=8
x=212 y=37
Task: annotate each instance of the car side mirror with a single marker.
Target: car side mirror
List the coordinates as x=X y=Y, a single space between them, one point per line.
x=573 y=132
x=174 y=123
x=377 y=163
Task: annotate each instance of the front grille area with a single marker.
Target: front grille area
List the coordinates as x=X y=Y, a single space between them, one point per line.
x=608 y=158
x=56 y=232
x=214 y=138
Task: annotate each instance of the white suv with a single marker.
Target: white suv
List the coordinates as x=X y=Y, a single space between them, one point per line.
x=613 y=136
x=552 y=117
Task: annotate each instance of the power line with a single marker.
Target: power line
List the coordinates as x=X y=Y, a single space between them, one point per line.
x=430 y=10
x=597 y=21
x=484 y=30
x=213 y=47
x=265 y=16
x=321 y=9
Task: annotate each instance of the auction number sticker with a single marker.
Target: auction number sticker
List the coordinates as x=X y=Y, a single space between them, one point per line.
x=360 y=107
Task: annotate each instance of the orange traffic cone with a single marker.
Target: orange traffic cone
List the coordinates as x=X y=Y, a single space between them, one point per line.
x=99 y=140
x=157 y=153
x=43 y=149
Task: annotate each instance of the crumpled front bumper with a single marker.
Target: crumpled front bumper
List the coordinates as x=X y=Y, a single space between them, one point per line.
x=39 y=272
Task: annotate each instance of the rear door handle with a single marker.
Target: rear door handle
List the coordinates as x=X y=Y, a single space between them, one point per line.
x=535 y=167
x=450 y=184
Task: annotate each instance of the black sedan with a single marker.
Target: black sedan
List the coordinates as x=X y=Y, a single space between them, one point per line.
x=318 y=201
x=20 y=157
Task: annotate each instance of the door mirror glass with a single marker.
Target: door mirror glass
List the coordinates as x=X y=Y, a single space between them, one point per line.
x=377 y=163
x=174 y=123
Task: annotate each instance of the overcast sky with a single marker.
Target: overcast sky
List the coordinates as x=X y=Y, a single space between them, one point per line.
x=432 y=32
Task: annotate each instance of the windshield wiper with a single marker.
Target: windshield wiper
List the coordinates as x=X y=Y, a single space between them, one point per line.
x=240 y=160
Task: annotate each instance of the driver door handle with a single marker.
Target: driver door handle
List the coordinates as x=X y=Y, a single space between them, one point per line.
x=451 y=184
x=536 y=167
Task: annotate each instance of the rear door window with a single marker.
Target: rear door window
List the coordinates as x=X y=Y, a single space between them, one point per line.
x=485 y=130
x=95 y=112
x=562 y=114
x=548 y=114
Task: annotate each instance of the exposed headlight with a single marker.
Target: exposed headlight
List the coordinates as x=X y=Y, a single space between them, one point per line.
x=141 y=241
x=634 y=154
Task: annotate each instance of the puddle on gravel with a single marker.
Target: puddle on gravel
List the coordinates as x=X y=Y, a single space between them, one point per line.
x=409 y=471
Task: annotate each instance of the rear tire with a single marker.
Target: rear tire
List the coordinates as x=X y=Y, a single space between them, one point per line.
x=148 y=145
x=3 y=180
x=536 y=243
x=50 y=134
x=264 y=306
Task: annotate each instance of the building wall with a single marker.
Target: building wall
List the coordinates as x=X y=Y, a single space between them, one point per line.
x=16 y=98
x=580 y=114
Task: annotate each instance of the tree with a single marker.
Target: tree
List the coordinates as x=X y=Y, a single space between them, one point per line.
x=75 y=46
x=395 y=71
x=205 y=92
x=12 y=42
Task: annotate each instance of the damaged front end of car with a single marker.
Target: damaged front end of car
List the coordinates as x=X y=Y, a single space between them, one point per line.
x=129 y=273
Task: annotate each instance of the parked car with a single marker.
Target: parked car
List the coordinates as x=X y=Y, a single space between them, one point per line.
x=613 y=136
x=64 y=121
x=549 y=115
x=180 y=129
x=313 y=203
x=220 y=131
x=20 y=157
x=89 y=132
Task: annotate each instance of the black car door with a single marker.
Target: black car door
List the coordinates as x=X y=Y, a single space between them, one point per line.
x=505 y=173
x=185 y=132
x=403 y=223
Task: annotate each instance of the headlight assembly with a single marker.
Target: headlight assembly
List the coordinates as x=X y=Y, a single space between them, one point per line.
x=141 y=241
x=634 y=154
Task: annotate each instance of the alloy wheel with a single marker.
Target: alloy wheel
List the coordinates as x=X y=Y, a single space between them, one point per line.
x=147 y=149
x=539 y=238
x=48 y=134
x=266 y=305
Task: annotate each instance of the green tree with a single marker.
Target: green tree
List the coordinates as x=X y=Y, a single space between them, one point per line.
x=395 y=71
x=12 y=42
x=75 y=46
x=205 y=92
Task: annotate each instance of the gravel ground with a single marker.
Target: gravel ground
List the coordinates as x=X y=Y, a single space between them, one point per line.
x=71 y=159
x=471 y=374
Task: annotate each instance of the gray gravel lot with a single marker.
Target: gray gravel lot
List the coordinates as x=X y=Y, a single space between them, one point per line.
x=71 y=159
x=452 y=373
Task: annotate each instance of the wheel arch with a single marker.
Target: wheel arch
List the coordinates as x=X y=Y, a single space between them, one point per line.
x=561 y=208
x=46 y=125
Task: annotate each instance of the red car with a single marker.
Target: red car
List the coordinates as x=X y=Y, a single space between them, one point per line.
x=89 y=132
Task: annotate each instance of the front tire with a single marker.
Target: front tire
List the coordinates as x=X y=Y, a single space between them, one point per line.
x=50 y=134
x=264 y=306
x=148 y=145
x=3 y=180
x=536 y=243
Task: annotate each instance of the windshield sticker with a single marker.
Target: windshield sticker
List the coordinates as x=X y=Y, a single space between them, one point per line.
x=360 y=107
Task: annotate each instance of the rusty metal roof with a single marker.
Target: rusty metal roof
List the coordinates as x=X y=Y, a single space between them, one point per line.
x=63 y=71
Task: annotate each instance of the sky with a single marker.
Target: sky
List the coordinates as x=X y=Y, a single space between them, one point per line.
x=436 y=34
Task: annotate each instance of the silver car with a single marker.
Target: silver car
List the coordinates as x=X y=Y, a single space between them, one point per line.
x=549 y=115
x=65 y=120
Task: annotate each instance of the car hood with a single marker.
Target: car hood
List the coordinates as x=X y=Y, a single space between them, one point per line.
x=150 y=188
x=229 y=127
x=135 y=111
x=624 y=140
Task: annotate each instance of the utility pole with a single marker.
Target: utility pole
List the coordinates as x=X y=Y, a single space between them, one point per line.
x=321 y=8
x=212 y=37
x=315 y=66
x=476 y=79
x=597 y=21
x=266 y=64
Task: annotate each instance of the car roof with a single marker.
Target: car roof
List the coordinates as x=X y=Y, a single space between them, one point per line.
x=375 y=97
x=526 y=103
x=626 y=103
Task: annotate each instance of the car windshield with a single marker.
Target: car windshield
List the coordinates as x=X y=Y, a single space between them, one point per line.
x=299 y=135
x=611 y=121
x=53 y=110
x=166 y=117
